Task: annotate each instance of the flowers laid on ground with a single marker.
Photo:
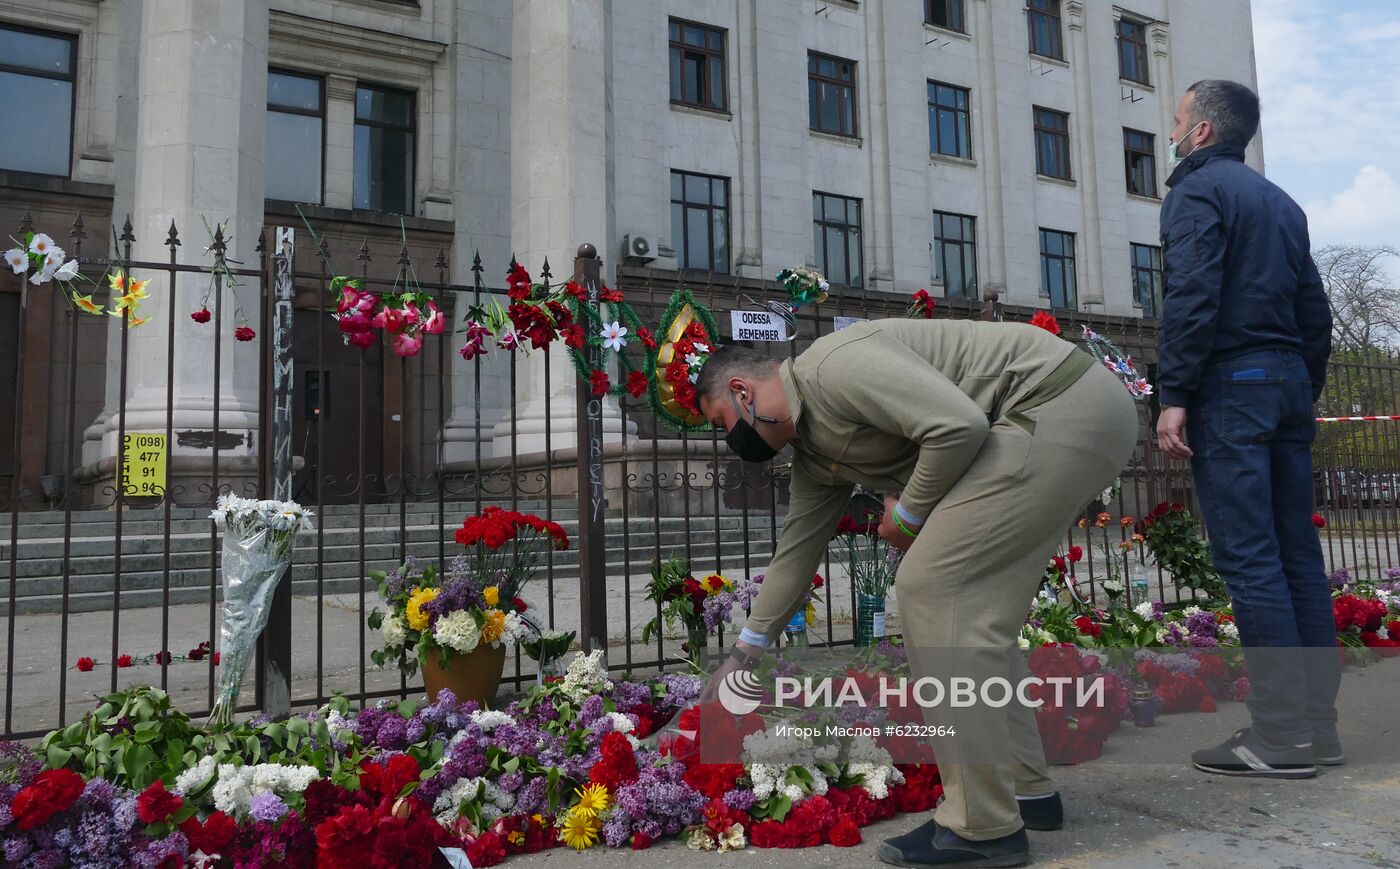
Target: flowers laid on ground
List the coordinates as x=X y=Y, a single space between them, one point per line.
x=477 y=602
x=871 y=561
x=258 y=537
x=199 y=653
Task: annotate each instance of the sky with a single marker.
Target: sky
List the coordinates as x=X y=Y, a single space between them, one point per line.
x=1329 y=82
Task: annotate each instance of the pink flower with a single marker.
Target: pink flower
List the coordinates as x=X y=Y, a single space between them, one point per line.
x=436 y=321
x=390 y=320
x=354 y=322
x=408 y=343
x=363 y=340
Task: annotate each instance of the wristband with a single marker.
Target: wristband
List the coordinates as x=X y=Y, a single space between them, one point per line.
x=745 y=660
x=899 y=523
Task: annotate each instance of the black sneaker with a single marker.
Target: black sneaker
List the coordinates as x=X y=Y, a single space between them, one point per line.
x=1327 y=747
x=1042 y=813
x=1246 y=754
x=932 y=845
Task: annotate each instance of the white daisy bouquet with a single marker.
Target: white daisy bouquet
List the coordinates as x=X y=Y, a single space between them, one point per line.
x=258 y=540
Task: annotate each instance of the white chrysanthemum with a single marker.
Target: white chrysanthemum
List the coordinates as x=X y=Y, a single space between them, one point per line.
x=458 y=631
x=67 y=272
x=489 y=719
x=393 y=630
x=17 y=260
x=1144 y=609
x=196 y=776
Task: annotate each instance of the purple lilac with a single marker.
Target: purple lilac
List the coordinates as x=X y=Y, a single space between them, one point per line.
x=740 y=799
x=1201 y=624
x=626 y=695
x=1340 y=578
x=1392 y=573
x=1159 y=612
x=158 y=850
x=532 y=796
x=16 y=849
x=680 y=690
x=458 y=593
x=401 y=579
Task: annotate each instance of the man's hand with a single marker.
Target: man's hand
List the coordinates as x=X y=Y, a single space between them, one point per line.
x=726 y=666
x=1171 y=432
x=890 y=532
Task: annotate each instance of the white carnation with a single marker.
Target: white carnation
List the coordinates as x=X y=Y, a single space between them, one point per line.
x=458 y=631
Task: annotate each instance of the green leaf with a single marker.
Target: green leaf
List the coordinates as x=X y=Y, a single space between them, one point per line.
x=782 y=808
x=57 y=757
x=146 y=731
x=511 y=765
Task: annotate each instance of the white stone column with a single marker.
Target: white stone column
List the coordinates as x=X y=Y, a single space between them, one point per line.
x=1166 y=98
x=560 y=186
x=340 y=141
x=992 y=232
x=200 y=131
x=880 y=270
x=1089 y=256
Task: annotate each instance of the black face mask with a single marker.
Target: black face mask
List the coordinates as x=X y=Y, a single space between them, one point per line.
x=744 y=439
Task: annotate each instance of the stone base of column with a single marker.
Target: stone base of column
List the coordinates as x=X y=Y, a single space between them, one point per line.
x=551 y=425
x=461 y=435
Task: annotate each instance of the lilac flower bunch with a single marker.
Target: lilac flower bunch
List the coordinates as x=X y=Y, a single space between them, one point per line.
x=658 y=804
x=460 y=591
x=101 y=829
x=718 y=609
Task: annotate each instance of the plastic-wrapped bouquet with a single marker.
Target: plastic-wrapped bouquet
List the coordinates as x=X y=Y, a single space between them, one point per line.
x=258 y=541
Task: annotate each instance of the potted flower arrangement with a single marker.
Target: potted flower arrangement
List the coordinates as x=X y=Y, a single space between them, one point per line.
x=457 y=626
x=872 y=564
x=698 y=605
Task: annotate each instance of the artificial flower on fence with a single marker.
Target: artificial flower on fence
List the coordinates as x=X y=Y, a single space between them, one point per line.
x=1103 y=350
x=258 y=540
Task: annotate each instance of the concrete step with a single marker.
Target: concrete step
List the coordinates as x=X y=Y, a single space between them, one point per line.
x=148 y=588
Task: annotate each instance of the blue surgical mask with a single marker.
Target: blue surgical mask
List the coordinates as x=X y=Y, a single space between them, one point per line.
x=1174 y=155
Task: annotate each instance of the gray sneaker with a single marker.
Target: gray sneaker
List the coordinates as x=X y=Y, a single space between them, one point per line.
x=1327 y=747
x=1246 y=754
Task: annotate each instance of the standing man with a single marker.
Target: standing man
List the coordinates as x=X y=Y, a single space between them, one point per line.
x=994 y=435
x=1245 y=335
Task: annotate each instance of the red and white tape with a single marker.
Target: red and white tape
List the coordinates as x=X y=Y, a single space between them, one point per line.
x=1358 y=418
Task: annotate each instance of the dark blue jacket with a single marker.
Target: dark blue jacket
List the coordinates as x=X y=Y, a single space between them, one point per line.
x=1239 y=274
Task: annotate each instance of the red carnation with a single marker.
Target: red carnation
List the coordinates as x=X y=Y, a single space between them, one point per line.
x=1207 y=704
x=124 y=661
x=845 y=833
x=1086 y=625
x=636 y=384
x=817 y=581
x=1060 y=564
x=1076 y=554
x=211 y=837
x=155 y=803
x=1318 y=521
x=1046 y=321
x=85 y=664
x=163 y=657
x=244 y=333
x=618 y=764
x=197 y=653
x=216 y=659
x=52 y=791
x=598 y=381
x=641 y=841
x=487 y=850
x=201 y=316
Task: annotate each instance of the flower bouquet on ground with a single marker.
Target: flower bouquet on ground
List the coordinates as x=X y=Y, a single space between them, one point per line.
x=1171 y=536
x=873 y=564
x=547 y=649
x=258 y=541
x=475 y=605
x=699 y=605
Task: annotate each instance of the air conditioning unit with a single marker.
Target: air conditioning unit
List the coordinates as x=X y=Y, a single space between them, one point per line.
x=636 y=246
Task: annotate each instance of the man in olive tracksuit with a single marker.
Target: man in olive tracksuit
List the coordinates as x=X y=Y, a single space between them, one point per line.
x=994 y=436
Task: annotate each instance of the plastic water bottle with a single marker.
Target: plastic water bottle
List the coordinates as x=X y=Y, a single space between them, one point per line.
x=1139 y=583
x=796 y=630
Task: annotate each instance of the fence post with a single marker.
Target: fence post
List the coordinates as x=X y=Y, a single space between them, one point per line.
x=277 y=420
x=593 y=599
x=991 y=306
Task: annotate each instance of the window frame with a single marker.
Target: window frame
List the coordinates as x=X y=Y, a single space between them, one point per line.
x=967 y=248
x=1061 y=135
x=823 y=260
x=411 y=129
x=1071 y=285
x=1139 y=49
x=1156 y=271
x=1132 y=153
x=816 y=78
x=957 y=9
x=935 y=128
x=711 y=55
x=710 y=226
x=321 y=113
x=71 y=78
x=1051 y=13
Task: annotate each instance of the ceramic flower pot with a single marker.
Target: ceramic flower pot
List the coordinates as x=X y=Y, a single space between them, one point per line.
x=473 y=676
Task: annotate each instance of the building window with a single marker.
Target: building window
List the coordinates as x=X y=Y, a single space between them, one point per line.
x=1057 y=268
x=296 y=119
x=697 y=66
x=1140 y=159
x=1132 y=51
x=831 y=94
x=1147 y=278
x=955 y=253
x=949 y=120
x=37 y=71
x=836 y=238
x=1043 y=18
x=1052 y=143
x=700 y=221
x=384 y=149
x=947 y=14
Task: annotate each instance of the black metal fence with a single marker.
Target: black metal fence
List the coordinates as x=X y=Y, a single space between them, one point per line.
x=393 y=453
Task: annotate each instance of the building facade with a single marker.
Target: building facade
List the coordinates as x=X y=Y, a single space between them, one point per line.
x=958 y=145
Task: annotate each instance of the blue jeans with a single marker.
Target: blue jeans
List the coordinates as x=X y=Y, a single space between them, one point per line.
x=1251 y=430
